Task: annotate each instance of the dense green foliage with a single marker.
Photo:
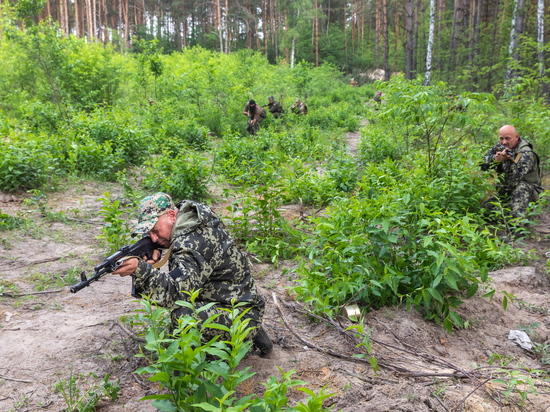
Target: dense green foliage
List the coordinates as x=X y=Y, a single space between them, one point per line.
x=399 y=223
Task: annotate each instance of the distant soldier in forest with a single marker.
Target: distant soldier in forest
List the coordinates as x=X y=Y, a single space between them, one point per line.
x=518 y=168
x=255 y=115
x=378 y=98
x=299 y=107
x=275 y=108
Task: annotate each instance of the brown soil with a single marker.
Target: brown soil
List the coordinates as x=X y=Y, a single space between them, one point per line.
x=41 y=335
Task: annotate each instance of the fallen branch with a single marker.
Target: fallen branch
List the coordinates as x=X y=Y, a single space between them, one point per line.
x=467 y=396
x=13 y=379
x=134 y=337
x=17 y=295
x=440 y=402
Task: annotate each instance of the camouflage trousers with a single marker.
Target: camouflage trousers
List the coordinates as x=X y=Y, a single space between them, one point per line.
x=255 y=315
x=518 y=199
x=252 y=129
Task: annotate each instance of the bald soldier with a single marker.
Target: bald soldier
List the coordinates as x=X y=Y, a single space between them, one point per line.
x=202 y=256
x=518 y=168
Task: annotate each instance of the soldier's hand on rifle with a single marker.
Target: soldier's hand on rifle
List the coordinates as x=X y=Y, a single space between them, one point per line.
x=128 y=266
x=501 y=156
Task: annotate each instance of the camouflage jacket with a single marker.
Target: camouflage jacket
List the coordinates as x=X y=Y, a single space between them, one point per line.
x=299 y=108
x=523 y=167
x=203 y=256
x=275 y=109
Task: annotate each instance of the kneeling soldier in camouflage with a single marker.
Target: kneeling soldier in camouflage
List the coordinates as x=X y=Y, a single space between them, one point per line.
x=202 y=256
x=517 y=165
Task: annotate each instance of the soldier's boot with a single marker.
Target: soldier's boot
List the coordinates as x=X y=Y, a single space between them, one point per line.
x=263 y=343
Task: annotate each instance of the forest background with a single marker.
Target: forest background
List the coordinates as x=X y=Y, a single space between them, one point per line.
x=470 y=42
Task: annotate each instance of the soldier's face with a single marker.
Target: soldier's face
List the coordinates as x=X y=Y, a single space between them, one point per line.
x=271 y=100
x=162 y=231
x=508 y=138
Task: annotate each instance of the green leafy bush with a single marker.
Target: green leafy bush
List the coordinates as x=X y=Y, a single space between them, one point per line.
x=204 y=376
x=403 y=239
x=23 y=164
x=185 y=176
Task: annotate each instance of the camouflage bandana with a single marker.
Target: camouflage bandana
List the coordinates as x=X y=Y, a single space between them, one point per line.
x=149 y=210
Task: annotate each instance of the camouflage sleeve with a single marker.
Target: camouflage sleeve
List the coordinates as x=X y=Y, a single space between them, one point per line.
x=190 y=271
x=526 y=164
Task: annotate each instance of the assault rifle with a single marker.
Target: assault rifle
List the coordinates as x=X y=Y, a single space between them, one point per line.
x=501 y=147
x=142 y=248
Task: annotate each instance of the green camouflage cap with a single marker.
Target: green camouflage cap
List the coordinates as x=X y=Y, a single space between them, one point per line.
x=149 y=210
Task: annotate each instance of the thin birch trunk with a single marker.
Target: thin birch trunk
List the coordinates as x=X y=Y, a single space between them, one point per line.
x=430 y=44
x=219 y=25
x=512 y=46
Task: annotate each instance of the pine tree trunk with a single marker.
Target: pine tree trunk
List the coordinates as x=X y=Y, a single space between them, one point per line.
x=126 y=28
x=441 y=17
x=346 y=32
x=495 y=26
x=286 y=35
x=377 y=33
x=386 y=42
x=430 y=44
x=472 y=31
x=264 y=25
x=409 y=29
x=67 y=25
x=76 y=22
x=316 y=37
x=540 y=44
x=451 y=42
x=61 y=23
x=106 y=22
x=226 y=27
x=415 y=39
x=184 y=25
x=94 y=22
x=396 y=35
